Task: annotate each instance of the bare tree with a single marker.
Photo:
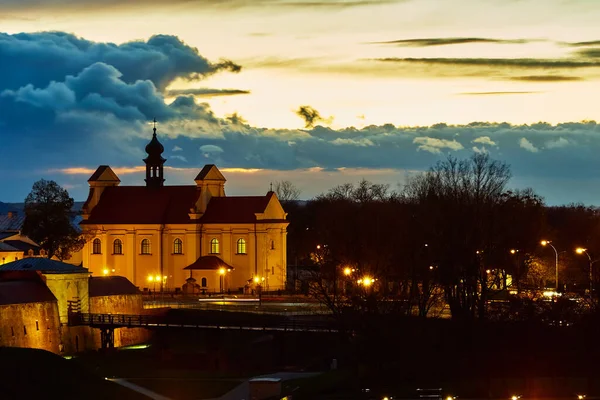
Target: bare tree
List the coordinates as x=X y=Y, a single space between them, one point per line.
x=287 y=191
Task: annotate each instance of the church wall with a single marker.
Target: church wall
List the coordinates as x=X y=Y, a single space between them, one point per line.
x=33 y=325
x=137 y=267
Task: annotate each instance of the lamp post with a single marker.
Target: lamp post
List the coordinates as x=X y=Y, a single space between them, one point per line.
x=581 y=250
x=549 y=243
x=221 y=279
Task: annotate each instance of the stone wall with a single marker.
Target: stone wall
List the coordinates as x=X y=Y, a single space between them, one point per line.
x=69 y=287
x=33 y=325
x=129 y=304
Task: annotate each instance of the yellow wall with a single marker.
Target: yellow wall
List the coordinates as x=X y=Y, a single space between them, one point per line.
x=259 y=259
x=19 y=329
x=66 y=287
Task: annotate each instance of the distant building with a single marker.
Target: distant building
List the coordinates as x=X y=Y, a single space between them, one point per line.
x=158 y=236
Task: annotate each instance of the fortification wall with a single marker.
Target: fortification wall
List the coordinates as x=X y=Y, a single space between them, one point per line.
x=33 y=325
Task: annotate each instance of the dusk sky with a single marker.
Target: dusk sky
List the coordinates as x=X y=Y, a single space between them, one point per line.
x=316 y=92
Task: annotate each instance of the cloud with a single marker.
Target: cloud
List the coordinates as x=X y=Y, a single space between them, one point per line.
x=310 y=116
x=494 y=93
x=557 y=143
x=436 y=146
x=178 y=157
x=486 y=140
x=497 y=62
x=161 y=59
x=177 y=148
x=546 y=78
x=363 y=142
x=427 y=42
x=206 y=92
x=590 y=53
x=583 y=44
x=527 y=145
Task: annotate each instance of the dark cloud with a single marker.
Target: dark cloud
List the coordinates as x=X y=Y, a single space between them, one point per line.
x=583 y=44
x=494 y=93
x=546 y=78
x=522 y=63
x=207 y=92
x=39 y=58
x=590 y=53
x=427 y=42
x=310 y=116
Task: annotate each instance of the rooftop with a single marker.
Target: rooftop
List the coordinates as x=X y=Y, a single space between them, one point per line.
x=111 y=286
x=24 y=291
x=43 y=265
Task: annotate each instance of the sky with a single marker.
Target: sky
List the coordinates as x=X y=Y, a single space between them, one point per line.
x=318 y=92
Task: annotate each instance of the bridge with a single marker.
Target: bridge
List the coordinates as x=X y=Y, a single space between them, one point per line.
x=107 y=323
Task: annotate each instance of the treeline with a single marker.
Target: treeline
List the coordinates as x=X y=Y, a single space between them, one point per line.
x=456 y=231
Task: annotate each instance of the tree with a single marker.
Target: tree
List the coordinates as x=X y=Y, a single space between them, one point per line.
x=48 y=220
x=287 y=191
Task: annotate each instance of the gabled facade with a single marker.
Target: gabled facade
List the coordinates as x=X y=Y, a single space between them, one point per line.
x=150 y=234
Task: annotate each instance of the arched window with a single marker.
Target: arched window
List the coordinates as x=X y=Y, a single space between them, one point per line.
x=241 y=246
x=177 y=246
x=42 y=252
x=30 y=252
x=145 y=246
x=214 y=246
x=117 y=246
x=203 y=282
x=96 y=246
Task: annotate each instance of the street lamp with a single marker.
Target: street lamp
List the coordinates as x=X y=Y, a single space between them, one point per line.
x=347 y=271
x=581 y=250
x=549 y=243
x=221 y=277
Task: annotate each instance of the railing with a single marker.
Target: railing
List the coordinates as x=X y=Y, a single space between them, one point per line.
x=155 y=321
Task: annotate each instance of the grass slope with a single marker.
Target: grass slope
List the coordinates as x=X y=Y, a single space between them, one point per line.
x=33 y=373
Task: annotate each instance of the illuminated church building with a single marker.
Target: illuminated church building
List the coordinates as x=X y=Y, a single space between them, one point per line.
x=159 y=236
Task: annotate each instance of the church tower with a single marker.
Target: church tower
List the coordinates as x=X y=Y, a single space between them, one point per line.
x=154 y=162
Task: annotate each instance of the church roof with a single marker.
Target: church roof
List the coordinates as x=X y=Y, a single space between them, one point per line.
x=171 y=205
x=111 y=286
x=104 y=173
x=210 y=172
x=208 y=263
x=42 y=264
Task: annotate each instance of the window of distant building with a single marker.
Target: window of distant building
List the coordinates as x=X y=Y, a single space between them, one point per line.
x=214 y=246
x=42 y=252
x=117 y=246
x=30 y=252
x=177 y=246
x=203 y=282
x=241 y=246
x=145 y=246
x=96 y=246
x=272 y=245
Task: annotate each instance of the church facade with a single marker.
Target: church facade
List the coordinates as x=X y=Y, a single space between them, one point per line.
x=160 y=236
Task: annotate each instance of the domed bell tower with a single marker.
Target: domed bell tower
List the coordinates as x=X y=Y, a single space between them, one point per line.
x=154 y=162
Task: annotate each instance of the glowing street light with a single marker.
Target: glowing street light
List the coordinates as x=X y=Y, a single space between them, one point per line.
x=549 y=243
x=581 y=250
x=513 y=251
x=347 y=271
x=105 y=271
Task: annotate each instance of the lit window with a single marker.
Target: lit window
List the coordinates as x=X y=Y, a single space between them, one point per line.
x=177 y=246
x=42 y=252
x=145 y=246
x=214 y=246
x=117 y=246
x=241 y=246
x=96 y=246
x=30 y=252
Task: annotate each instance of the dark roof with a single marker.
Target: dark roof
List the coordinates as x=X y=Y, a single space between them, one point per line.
x=98 y=173
x=4 y=235
x=24 y=291
x=209 y=263
x=22 y=246
x=7 y=247
x=42 y=264
x=12 y=222
x=171 y=205
x=239 y=209
x=205 y=170
x=111 y=286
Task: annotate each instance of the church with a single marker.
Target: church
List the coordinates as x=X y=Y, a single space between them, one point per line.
x=192 y=238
